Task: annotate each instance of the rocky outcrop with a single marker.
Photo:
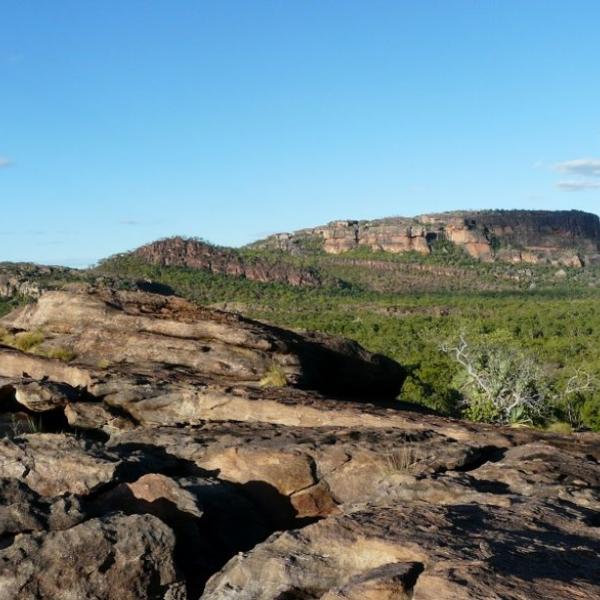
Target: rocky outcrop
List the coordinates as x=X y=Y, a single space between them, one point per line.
x=569 y=238
x=144 y=468
x=109 y=327
x=29 y=280
x=195 y=254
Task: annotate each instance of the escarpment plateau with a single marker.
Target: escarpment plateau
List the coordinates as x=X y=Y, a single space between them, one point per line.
x=569 y=238
x=177 y=452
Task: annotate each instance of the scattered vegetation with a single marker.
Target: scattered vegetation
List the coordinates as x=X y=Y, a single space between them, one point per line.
x=25 y=423
x=499 y=384
x=400 y=461
x=32 y=341
x=24 y=340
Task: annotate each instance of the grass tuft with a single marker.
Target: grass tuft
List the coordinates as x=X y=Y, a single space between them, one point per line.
x=274 y=377
x=61 y=353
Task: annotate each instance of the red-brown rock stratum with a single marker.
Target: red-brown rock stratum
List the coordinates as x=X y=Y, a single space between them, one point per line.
x=154 y=449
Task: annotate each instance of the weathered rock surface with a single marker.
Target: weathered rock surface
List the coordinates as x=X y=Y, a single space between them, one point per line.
x=146 y=469
x=568 y=238
x=54 y=464
x=25 y=279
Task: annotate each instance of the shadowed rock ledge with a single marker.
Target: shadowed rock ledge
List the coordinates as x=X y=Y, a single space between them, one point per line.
x=177 y=452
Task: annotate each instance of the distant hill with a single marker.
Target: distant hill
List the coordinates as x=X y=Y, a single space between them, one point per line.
x=197 y=254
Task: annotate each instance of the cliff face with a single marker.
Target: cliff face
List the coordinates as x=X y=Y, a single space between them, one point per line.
x=569 y=238
x=180 y=252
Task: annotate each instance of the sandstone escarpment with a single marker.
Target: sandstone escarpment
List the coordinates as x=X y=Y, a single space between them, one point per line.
x=170 y=459
x=569 y=238
x=194 y=254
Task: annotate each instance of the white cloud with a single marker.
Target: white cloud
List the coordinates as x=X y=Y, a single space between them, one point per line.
x=5 y=162
x=578 y=186
x=589 y=167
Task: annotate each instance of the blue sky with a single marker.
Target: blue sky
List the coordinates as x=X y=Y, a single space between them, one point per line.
x=122 y=122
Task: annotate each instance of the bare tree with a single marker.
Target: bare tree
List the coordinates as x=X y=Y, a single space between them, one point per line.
x=500 y=384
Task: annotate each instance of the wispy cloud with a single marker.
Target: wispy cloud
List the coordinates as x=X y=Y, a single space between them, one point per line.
x=578 y=186
x=589 y=167
x=130 y=222
x=5 y=162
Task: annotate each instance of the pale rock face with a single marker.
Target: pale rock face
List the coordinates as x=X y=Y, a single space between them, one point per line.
x=166 y=478
x=460 y=551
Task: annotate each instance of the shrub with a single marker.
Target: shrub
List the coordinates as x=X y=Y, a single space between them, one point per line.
x=590 y=414
x=560 y=427
x=26 y=424
x=400 y=461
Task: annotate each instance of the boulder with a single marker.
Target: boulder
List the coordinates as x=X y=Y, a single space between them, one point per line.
x=112 y=558
x=55 y=464
x=157 y=465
